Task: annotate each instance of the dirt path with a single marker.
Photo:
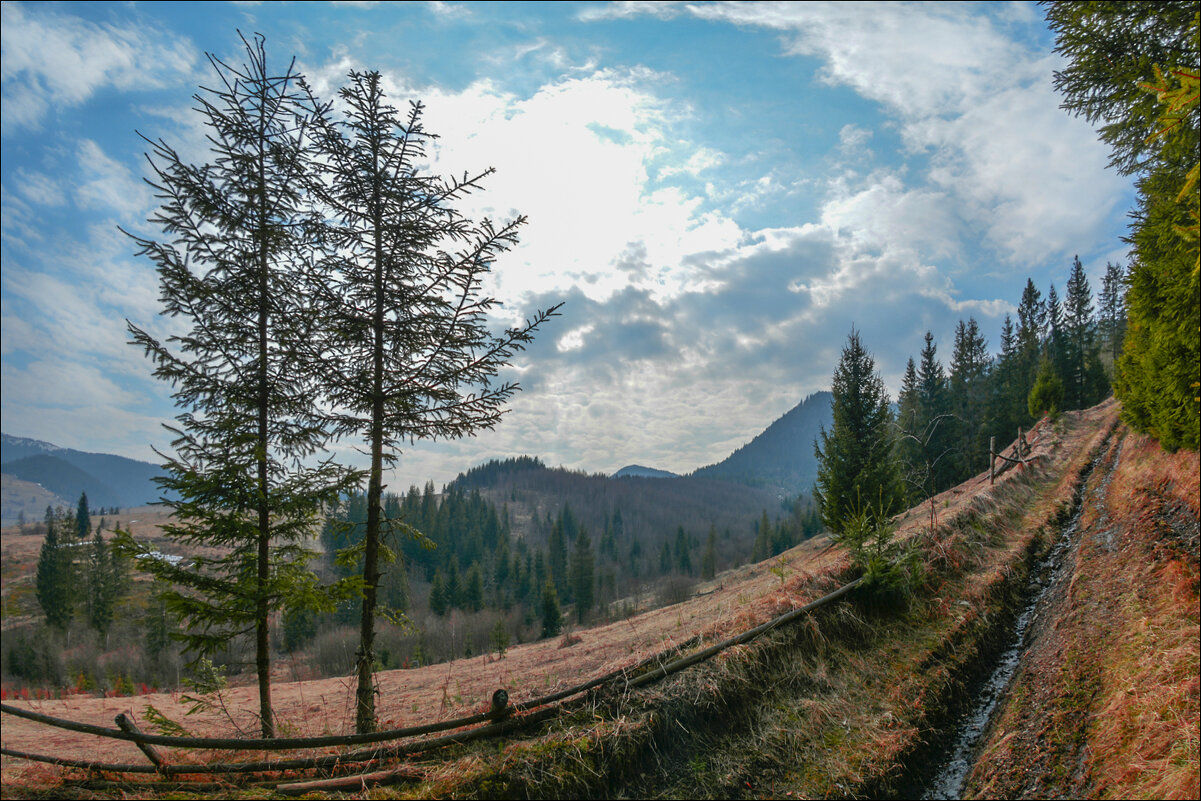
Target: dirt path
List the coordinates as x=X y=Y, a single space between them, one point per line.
x=1105 y=703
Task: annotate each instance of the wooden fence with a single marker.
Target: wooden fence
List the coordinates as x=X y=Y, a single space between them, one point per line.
x=501 y=719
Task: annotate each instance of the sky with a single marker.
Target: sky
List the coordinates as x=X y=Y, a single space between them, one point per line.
x=718 y=193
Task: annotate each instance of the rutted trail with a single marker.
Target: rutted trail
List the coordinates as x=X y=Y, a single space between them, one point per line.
x=1045 y=582
x=1105 y=701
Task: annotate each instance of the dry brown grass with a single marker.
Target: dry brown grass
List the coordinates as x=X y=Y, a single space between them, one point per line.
x=1107 y=703
x=851 y=702
x=1145 y=726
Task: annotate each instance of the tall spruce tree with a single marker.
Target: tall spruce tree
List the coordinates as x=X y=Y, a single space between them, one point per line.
x=1111 y=315
x=1079 y=339
x=103 y=585
x=406 y=353
x=936 y=415
x=1056 y=348
x=1032 y=320
x=583 y=575
x=857 y=471
x=969 y=398
x=83 y=519
x=557 y=548
x=1134 y=70
x=552 y=615
x=908 y=451
x=1006 y=386
x=229 y=267
x=54 y=582
x=927 y=442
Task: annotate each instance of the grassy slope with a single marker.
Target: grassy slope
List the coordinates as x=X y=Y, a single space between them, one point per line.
x=833 y=706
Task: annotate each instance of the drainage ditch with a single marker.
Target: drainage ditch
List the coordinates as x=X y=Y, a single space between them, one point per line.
x=949 y=767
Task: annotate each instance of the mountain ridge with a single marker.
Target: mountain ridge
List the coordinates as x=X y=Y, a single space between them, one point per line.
x=108 y=479
x=780 y=458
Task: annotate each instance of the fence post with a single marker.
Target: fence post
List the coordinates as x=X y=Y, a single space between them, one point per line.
x=126 y=725
x=992 y=460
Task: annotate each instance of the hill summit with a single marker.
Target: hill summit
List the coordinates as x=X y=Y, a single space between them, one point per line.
x=638 y=471
x=781 y=458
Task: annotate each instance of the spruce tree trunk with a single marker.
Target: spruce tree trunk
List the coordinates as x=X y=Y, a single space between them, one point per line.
x=365 y=694
x=262 y=607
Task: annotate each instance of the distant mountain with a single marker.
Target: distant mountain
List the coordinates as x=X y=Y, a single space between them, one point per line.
x=781 y=458
x=63 y=479
x=651 y=511
x=14 y=448
x=107 y=479
x=638 y=471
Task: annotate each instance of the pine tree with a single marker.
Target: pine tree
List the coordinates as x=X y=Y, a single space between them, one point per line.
x=1134 y=69
x=1006 y=385
x=761 y=549
x=938 y=428
x=927 y=436
x=1112 y=50
x=83 y=519
x=54 y=582
x=908 y=450
x=103 y=585
x=1057 y=346
x=857 y=471
x=683 y=552
x=558 y=556
x=1079 y=339
x=969 y=398
x=159 y=626
x=473 y=590
x=1046 y=396
x=1032 y=319
x=242 y=470
x=407 y=354
x=454 y=585
x=552 y=616
x=583 y=575
x=1111 y=314
x=396 y=594
x=439 y=603
x=634 y=558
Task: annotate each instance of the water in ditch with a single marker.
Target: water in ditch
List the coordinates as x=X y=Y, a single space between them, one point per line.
x=953 y=768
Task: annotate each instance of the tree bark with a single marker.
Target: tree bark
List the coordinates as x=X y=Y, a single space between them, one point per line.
x=365 y=694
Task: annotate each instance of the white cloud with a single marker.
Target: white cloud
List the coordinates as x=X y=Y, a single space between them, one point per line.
x=576 y=157
x=1030 y=178
x=39 y=188
x=853 y=139
x=52 y=59
x=702 y=159
x=109 y=186
x=879 y=212
x=448 y=10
